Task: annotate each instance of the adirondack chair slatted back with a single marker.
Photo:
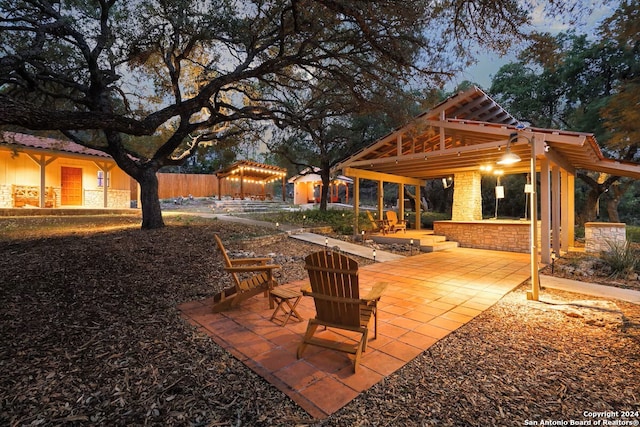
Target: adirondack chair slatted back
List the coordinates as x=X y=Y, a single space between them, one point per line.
x=334 y=282
x=336 y=293
x=251 y=276
x=227 y=262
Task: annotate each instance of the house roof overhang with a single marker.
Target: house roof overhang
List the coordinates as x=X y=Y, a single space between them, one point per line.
x=21 y=142
x=311 y=174
x=469 y=131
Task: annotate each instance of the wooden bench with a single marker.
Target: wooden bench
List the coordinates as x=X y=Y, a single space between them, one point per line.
x=29 y=195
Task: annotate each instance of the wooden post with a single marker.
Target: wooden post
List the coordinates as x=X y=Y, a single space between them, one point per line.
x=534 y=293
x=555 y=208
x=545 y=212
x=356 y=205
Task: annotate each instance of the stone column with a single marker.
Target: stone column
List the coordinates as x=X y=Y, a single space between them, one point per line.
x=467 y=197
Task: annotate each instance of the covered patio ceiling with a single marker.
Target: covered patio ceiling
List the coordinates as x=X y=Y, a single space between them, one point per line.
x=470 y=130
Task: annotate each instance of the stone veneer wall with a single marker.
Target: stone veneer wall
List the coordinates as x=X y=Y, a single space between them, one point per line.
x=116 y=199
x=599 y=235
x=510 y=236
x=467 y=197
x=6 y=198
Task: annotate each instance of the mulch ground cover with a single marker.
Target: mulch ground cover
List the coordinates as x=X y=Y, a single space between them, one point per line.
x=90 y=335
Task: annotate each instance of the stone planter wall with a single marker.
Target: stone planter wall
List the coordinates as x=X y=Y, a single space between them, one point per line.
x=599 y=236
x=499 y=235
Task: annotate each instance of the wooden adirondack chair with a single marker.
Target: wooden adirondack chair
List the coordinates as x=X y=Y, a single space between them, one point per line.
x=336 y=293
x=251 y=277
x=395 y=224
x=378 y=225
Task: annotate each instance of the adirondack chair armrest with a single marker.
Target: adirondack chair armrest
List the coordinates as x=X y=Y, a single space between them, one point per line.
x=250 y=260
x=249 y=268
x=376 y=292
x=331 y=298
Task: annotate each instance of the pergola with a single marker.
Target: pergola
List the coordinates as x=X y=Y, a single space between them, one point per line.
x=246 y=171
x=468 y=133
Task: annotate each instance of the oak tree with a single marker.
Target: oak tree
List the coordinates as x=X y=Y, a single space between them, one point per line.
x=149 y=81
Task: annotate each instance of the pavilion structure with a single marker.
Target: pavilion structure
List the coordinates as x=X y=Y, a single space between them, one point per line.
x=248 y=172
x=469 y=135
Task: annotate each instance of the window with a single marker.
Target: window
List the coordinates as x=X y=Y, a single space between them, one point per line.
x=101 y=179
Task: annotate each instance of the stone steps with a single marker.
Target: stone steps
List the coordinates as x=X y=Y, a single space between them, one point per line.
x=248 y=206
x=438 y=246
x=427 y=242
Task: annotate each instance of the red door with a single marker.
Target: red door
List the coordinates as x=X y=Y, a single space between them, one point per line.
x=71 y=194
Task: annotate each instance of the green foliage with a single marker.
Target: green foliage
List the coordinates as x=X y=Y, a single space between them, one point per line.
x=340 y=220
x=621 y=257
x=633 y=233
x=583 y=83
x=427 y=218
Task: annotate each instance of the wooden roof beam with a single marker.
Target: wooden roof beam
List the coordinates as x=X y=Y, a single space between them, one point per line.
x=379 y=176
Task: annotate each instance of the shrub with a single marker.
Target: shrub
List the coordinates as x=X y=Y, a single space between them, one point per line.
x=621 y=258
x=633 y=233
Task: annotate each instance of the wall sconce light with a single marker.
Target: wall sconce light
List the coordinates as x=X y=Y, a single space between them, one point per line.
x=509 y=158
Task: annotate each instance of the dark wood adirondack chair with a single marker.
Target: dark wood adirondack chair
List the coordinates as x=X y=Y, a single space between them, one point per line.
x=251 y=276
x=336 y=293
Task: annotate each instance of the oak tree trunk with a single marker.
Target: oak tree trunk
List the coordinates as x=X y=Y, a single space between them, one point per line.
x=151 y=211
x=324 y=194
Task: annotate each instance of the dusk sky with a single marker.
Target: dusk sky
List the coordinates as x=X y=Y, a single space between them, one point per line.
x=489 y=64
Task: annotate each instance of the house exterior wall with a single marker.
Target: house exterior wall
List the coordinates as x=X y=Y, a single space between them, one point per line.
x=303 y=192
x=18 y=169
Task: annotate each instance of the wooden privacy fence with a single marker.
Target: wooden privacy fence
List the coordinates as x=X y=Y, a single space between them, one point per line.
x=171 y=185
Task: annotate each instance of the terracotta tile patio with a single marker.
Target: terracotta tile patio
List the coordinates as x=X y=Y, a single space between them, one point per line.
x=429 y=296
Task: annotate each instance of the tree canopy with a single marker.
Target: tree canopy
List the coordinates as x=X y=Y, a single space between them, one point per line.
x=583 y=83
x=149 y=81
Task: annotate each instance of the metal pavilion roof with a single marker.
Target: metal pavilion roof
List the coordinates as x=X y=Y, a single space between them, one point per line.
x=470 y=130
